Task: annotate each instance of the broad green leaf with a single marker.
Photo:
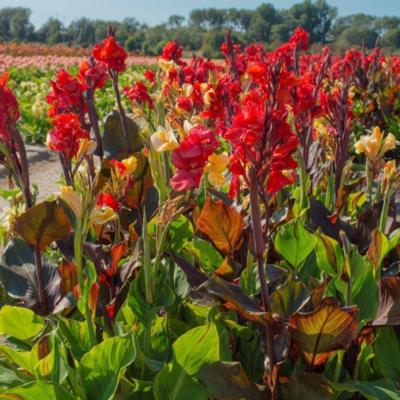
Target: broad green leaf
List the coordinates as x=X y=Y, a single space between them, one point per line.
x=197 y=347
x=173 y=383
x=289 y=298
x=310 y=386
x=114 y=142
x=20 y=323
x=37 y=390
x=204 y=253
x=375 y=390
x=387 y=353
x=222 y=224
x=378 y=249
x=24 y=359
x=365 y=294
x=102 y=365
x=329 y=255
x=8 y=379
x=320 y=332
x=294 y=242
x=43 y=224
x=236 y=299
x=228 y=381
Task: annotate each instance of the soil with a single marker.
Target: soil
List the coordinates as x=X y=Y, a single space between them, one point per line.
x=45 y=171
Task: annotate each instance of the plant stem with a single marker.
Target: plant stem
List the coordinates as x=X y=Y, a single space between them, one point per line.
x=368 y=173
x=146 y=262
x=385 y=209
x=338 y=366
x=40 y=281
x=78 y=240
x=122 y=115
x=304 y=202
x=94 y=122
x=259 y=247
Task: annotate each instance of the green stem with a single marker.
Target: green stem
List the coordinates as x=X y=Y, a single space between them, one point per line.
x=147 y=262
x=368 y=172
x=385 y=209
x=78 y=240
x=338 y=366
x=304 y=201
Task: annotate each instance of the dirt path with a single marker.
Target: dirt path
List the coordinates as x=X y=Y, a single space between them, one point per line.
x=45 y=171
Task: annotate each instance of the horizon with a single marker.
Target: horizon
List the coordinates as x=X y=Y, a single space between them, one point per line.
x=155 y=13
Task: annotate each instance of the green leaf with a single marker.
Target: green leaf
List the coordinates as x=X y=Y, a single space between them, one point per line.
x=102 y=365
x=228 y=381
x=173 y=383
x=289 y=298
x=197 y=347
x=20 y=323
x=365 y=293
x=310 y=386
x=376 y=390
x=294 y=243
x=387 y=353
x=329 y=255
x=205 y=254
x=114 y=142
x=43 y=224
x=37 y=390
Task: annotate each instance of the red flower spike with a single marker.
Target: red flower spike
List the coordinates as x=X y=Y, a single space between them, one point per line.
x=66 y=134
x=111 y=54
x=106 y=199
x=191 y=156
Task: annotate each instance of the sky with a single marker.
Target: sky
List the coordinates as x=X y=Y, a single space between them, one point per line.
x=157 y=11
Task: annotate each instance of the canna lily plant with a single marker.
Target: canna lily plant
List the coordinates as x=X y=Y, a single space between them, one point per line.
x=216 y=235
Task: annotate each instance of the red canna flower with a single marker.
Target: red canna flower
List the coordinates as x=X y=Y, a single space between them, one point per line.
x=138 y=94
x=184 y=104
x=300 y=39
x=150 y=75
x=93 y=75
x=66 y=95
x=111 y=54
x=107 y=199
x=172 y=51
x=66 y=134
x=111 y=310
x=191 y=156
x=9 y=109
x=118 y=165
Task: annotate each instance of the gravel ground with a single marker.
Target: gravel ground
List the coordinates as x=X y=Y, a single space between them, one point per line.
x=45 y=170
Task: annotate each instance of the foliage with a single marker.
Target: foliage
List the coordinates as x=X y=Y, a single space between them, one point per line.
x=224 y=231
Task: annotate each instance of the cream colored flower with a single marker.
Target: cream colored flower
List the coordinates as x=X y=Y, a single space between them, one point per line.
x=165 y=65
x=164 y=139
x=374 y=146
x=72 y=199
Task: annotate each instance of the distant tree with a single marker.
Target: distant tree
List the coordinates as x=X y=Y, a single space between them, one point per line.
x=51 y=32
x=15 y=24
x=261 y=23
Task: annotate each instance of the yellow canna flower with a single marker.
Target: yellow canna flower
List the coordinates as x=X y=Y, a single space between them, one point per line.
x=215 y=167
x=389 y=169
x=72 y=199
x=102 y=215
x=373 y=146
x=389 y=143
x=209 y=96
x=130 y=165
x=164 y=139
x=165 y=65
x=86 y=147
x=187 y=89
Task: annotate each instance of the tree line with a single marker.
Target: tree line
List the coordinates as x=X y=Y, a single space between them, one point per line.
x=204 y=29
